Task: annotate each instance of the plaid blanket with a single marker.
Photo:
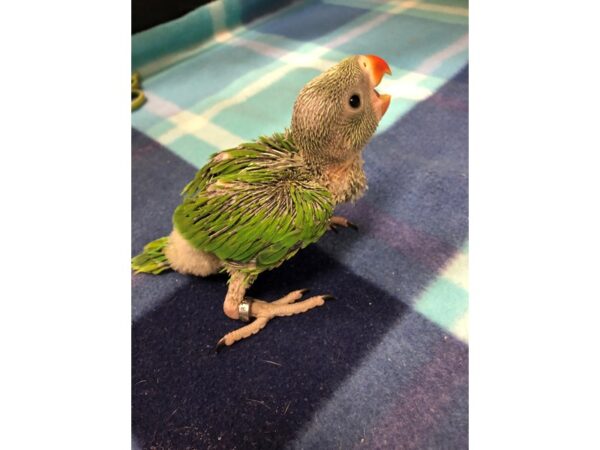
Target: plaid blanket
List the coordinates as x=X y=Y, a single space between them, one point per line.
x=386 y=366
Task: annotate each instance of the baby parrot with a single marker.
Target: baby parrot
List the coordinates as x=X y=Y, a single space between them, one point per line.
x=252 y=207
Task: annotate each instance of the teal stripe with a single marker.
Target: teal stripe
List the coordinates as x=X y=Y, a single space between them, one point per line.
x=443 y=303
x=233 y=13
x=158 y=129
x=438 y=16
x=170 y=37
x=404 y=40
x=194 y=80
x=191 y=30
x=259 y=114
x=193 y=150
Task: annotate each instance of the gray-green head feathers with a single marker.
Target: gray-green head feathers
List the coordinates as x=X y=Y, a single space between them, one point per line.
x=337 y=112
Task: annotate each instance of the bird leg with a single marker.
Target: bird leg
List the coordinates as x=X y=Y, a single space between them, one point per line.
x=262 y=311
x=339 y=221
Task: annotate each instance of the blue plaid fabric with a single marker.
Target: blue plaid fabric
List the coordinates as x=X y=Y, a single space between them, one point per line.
x=386 y=366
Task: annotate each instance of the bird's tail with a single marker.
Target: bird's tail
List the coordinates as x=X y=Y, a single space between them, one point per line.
x=153 y=259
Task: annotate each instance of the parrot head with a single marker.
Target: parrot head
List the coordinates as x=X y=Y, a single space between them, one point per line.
x=337 y=112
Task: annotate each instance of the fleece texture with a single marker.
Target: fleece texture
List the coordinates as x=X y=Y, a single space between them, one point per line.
x=386 y=364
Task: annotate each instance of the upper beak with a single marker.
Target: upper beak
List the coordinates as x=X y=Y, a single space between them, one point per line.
x=376 y=67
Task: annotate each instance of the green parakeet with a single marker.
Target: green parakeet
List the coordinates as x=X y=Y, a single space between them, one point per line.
x=252 y=207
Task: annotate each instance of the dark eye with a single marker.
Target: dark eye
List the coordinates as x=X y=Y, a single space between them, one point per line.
x=354 y=101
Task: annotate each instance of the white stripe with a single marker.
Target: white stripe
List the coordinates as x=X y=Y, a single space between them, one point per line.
x=291 y=57
x=249 y=91
x=410 y=4
x=460 y=329
x=357 y=31
x=188 y=123
x=406 y=86
x=224 y=36
x=457 y=270
x=154 y=67
x=162 y=63
x=195 y=125
x=160 y=106
x=444 y=9
x=300 y=58
x=436 y=60
x=278 y=73
x=202 y=128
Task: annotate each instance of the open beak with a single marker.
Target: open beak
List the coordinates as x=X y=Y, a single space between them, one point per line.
x=376 y=67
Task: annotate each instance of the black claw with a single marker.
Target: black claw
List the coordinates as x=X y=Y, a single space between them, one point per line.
x=333 y=228
x=304 y=291
x=353 y=226
x=219 y=346
x=329 y=297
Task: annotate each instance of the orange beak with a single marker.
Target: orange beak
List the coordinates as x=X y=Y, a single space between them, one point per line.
x=377 y=67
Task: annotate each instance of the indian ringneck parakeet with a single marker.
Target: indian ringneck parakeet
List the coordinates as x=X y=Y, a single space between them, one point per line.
x=254 y=206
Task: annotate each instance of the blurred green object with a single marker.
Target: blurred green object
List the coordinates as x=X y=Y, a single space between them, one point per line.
x=137 y=95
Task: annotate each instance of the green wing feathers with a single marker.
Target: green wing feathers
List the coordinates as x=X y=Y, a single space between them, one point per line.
x=254 y=206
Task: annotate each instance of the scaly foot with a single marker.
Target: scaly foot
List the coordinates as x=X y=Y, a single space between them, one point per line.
x=264 y=311
x=339 y=221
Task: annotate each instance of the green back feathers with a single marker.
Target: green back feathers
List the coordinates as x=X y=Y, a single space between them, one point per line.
x=254 y=206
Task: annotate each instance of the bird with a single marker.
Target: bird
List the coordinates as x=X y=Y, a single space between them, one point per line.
x=254 y=206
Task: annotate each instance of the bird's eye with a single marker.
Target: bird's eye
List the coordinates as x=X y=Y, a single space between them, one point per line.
x=354 y=101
